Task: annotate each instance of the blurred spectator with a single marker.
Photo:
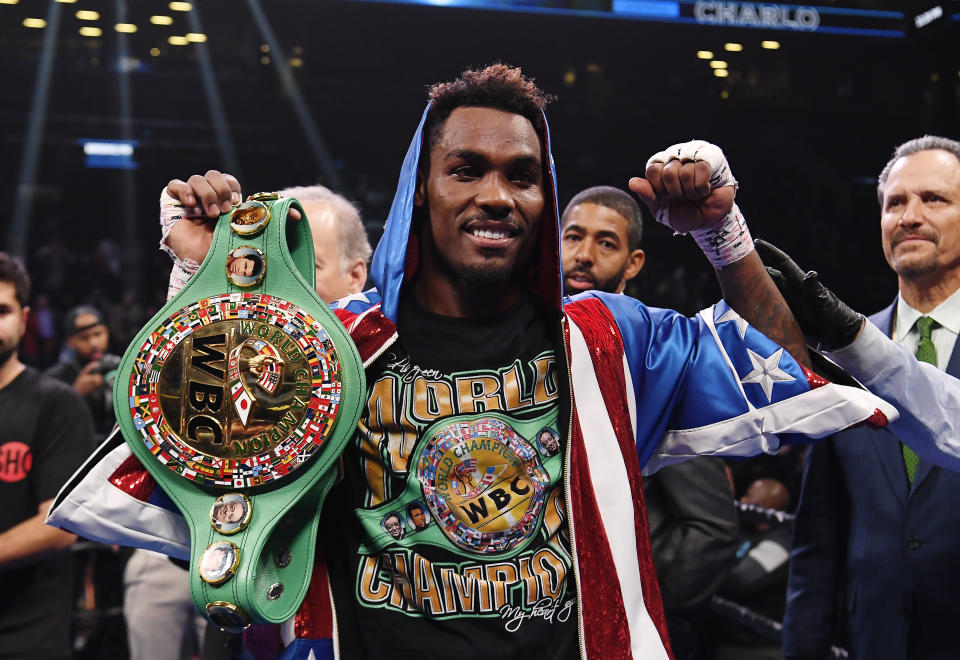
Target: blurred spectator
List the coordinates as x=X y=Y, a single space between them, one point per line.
x=758 y=579
x=86 y=366
x=340 y=245
x=771 y=481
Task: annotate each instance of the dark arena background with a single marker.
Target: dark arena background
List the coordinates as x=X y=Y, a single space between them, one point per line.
x=104 y=101
x=282 y=92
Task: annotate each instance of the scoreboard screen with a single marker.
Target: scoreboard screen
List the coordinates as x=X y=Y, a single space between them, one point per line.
x=725 y=13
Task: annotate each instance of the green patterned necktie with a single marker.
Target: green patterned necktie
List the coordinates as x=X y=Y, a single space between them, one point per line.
x=926 y=352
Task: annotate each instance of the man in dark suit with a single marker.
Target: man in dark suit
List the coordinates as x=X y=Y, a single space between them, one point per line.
x=877 y=532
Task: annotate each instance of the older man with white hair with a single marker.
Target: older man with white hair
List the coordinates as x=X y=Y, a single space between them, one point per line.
x=340 y=246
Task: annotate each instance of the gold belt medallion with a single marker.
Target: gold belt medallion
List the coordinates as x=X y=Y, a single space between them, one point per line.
x=236 y=390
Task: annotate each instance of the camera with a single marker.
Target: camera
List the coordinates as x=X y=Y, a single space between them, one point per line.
x=108 y=363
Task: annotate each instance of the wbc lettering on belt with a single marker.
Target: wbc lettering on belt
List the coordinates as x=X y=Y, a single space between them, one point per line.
x=230 y=379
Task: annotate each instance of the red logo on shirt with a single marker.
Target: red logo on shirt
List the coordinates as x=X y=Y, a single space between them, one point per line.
x=15 y=461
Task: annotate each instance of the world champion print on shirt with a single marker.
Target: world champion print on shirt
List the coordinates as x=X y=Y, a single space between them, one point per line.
x=465 y=510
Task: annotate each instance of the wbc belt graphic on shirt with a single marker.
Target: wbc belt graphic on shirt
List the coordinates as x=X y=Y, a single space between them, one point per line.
x=479 y=482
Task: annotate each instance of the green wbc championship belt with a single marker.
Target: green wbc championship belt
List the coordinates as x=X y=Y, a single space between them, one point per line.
x=238 y=397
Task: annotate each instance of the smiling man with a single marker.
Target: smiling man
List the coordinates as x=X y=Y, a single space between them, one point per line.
x=472 y=352
x=600 y=233
x=480 y=199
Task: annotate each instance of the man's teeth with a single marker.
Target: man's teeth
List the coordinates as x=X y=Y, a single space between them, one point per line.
x=489 y=233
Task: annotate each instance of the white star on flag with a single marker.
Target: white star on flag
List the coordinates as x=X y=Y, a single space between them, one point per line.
x=766 y=371
x=346 y=300
x=731 y=315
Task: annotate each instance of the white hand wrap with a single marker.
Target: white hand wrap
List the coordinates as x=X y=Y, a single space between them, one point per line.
x=726 y=242
x=171 y=212
x=729 y=240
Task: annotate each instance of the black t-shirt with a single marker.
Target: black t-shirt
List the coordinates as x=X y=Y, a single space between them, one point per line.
x=448 y=535
x=45 y=434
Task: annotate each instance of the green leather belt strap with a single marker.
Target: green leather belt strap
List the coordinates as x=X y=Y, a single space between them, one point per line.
x=238 y=397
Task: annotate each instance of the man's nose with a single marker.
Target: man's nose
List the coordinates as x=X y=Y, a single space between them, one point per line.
x=912 y=212
x=584 y=253
x=494 y=195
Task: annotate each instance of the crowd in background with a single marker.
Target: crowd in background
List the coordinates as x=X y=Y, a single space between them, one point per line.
x=814 y=194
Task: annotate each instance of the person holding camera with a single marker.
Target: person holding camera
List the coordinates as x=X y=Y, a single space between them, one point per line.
x=86 y=365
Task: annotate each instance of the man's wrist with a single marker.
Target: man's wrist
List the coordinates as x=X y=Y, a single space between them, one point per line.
x=864 y=358
x=863 y=323
x=727 y=242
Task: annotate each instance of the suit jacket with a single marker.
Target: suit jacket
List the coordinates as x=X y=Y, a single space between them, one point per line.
x=873 y=553
x=694 y=535
x=694 y=530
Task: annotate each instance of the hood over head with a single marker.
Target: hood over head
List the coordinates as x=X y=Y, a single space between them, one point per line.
x=397 y=255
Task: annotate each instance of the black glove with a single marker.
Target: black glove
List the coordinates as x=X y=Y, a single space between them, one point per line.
x=821 y=315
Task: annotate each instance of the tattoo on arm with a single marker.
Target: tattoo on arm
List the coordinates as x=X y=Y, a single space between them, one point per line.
x=748 y=289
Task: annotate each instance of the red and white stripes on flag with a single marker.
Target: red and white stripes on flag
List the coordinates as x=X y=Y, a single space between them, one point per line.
x=619 y=596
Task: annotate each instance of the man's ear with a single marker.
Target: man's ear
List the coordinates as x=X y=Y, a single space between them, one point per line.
x=634 y=264
x=23 y=320
x=420 y=192
x=357 y=275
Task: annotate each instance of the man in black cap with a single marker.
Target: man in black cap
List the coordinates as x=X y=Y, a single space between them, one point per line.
x=88 y=368
x=86 y=365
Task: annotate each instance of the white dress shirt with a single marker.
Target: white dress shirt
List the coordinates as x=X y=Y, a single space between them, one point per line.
x=944 y=335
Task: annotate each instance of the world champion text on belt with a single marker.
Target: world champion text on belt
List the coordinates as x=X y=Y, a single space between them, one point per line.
x=235 y=390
